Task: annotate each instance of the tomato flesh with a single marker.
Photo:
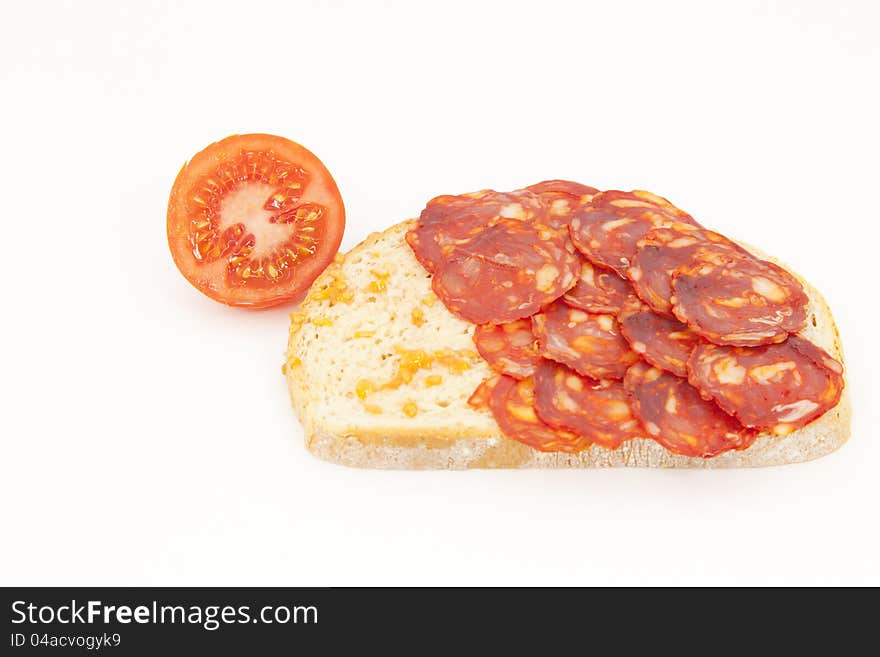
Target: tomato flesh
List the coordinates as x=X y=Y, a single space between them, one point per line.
x=253 y=220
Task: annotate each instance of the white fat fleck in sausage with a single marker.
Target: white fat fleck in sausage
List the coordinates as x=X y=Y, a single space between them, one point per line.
x=545 y=277
x=795 y=410
x=768 y=289
x=765 y=374
x=576 y=383
x=605 y=322
x=608 y=226
x=559 y=207
x=513 y=211
x=729 y=372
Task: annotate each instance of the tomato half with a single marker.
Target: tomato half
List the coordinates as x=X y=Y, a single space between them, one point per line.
x=253 y=219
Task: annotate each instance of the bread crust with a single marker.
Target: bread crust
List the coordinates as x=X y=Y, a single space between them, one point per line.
x=466 y=447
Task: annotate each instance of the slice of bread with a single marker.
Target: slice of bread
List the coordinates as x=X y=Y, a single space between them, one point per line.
x=379 y=373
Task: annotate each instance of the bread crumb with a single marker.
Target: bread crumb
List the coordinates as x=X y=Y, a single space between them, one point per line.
x=296 y=322
x=364 y=388
x=335 y=290
x=456 y=361
x=381 y=282
x=413 y=360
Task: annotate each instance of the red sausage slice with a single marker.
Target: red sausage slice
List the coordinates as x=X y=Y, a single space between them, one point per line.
x=608 y=227
x=507 y=271
x=479 y=398
x=663 y=342
x=588 y=343
x=598 y=291
x=508 y=348
x=562 y=198
x=676 y=416
x=596 y=409
x=738 y=300
x=778 y=388
x=512 y=403
x=663 y=250
x=452 y=219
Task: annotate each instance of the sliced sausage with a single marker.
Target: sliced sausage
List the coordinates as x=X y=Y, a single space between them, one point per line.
x=512 y=404
x=507 y=271
x=450 y=220
x=777 y=388
x=598 y=291
x=594 y=409
x=663 y=250
x=608 y=227
x=562 y=198
x=663 y=342
x=590 y=344
x=676 y=416
x=735 y=299
x=508 y=348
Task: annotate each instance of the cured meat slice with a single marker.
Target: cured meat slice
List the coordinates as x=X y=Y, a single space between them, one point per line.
x=452 y=219
x=598 y=291
x=607 y=228
x=661 y=251
x=562 y=198
x=597 y=410
x=512 y=403
x=778 y=388
x=479 y=398
x=676 y=416
x=738 y=300
x=508 y=348
x=588 y=343
x=663 y=342
x=559 y=188
x=507 y=271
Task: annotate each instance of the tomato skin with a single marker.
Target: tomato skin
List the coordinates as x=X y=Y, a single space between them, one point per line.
x=211 y=278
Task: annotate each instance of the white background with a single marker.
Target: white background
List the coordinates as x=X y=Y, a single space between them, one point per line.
x=146 y=432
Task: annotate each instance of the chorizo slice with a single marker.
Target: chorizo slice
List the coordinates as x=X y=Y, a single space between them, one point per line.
x=777 y=388
x=512 y=404
x=663 y=250
x=508 y=271
x=675 y=415
x=508 y=348
x=663 y=342
x=598 y=291
x=450 y=220
x=589 y=343
x=479 y=398
x=607 y=228
x=597 y=410
x=562 y=198
x=734 y=299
